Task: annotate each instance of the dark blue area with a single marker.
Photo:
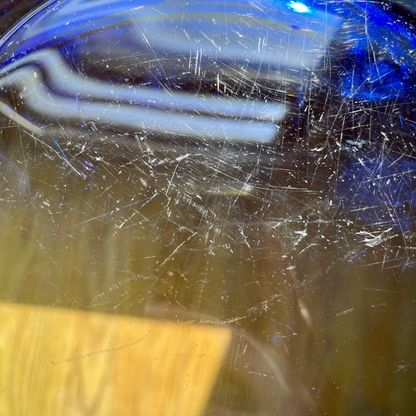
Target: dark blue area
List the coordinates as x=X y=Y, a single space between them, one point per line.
x=380 y=63
x=379 y=191
x=366 y=80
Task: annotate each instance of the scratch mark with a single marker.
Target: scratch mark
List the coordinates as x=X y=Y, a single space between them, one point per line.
x=175 y=251
x=345 y=312
x=108 y=350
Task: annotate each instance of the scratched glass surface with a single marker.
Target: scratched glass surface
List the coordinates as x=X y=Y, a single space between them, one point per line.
x=247 y=165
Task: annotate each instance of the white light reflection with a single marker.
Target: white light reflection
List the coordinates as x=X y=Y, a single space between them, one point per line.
x=299 y=7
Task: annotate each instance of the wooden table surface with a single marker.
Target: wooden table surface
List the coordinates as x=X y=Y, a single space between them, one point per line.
x=68 y=362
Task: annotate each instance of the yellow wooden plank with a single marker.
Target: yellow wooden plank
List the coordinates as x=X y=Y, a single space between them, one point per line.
x=68 y=362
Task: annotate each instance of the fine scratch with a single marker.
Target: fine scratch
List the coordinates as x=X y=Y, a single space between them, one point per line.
x=345 y=312
x=175 y=251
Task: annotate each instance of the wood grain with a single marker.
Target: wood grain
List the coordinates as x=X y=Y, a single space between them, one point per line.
x=69 y=362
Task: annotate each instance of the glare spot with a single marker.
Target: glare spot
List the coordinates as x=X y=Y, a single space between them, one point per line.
x=299 y=7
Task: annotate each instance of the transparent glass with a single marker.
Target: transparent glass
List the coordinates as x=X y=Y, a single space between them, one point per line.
x=207 y=208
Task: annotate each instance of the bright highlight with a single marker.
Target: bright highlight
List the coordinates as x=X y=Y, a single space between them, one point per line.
x=299 y=7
